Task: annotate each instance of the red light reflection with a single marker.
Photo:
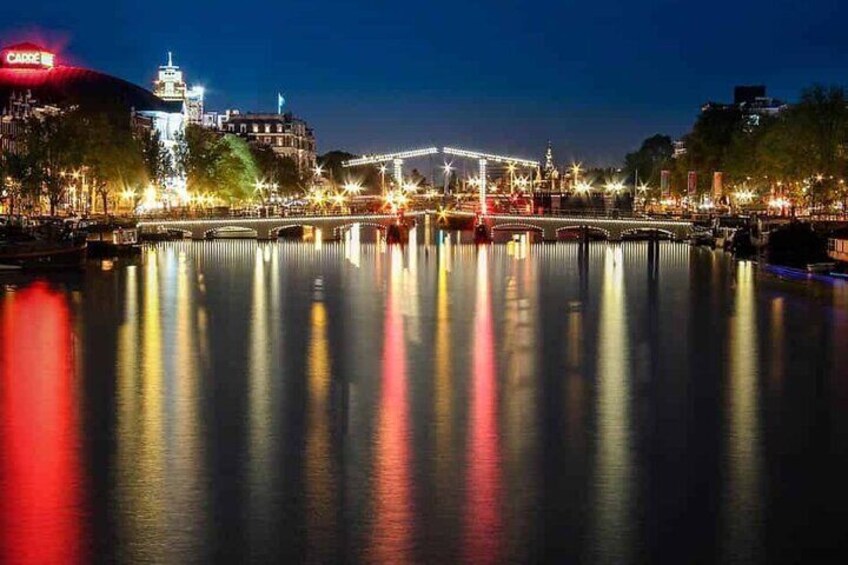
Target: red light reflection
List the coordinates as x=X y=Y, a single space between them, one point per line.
x=391 y=538
x=40 y=477
x=482 y=511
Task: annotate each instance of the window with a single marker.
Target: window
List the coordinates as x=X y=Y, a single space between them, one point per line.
x=243 y=128
x=279 y=142
x=255 y=128
x=267 y=128
x=279 y=128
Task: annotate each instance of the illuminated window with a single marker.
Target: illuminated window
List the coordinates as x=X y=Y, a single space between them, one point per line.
x=255 y=128
x=267 y=128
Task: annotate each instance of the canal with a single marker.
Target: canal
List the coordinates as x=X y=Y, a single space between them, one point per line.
x=236 y=401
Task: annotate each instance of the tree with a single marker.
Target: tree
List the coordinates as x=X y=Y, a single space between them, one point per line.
x=654 y=155
x=113 y=158
x=220 y=165
x=52 y=150
x=331 y=162
x=276 y=169
x=158 y=163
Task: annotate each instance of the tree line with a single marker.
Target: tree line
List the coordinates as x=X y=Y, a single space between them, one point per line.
x=799 y=153
x=58 y=152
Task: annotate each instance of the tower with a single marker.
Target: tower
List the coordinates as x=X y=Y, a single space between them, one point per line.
x=169 y=83
x=549 y=161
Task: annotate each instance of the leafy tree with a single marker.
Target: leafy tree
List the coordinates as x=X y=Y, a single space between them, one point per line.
x=276 y=169
x=52 y=150
x=653 y=156
x=368 y=176
x=113 y=158
x=158 y=163
x=220 y=165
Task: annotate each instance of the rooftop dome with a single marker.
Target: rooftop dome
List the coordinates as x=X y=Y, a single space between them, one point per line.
x=28 y=67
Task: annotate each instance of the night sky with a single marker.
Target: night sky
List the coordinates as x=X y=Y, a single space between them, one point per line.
x=497 y=75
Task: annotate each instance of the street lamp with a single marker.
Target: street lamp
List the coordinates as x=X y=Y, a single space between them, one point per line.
x=447 y=168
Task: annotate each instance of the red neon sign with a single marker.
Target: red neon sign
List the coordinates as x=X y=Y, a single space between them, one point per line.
x=41 y=59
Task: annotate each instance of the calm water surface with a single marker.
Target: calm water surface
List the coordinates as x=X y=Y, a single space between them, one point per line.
x=246 y=402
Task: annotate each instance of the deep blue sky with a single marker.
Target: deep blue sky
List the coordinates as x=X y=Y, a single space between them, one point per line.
x=594 y=77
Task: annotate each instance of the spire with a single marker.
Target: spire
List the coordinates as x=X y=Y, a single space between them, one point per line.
x=549 y=159
x=170 y=60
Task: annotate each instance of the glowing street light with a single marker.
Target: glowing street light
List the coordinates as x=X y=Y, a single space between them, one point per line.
x=614 y=187
x=583 y=187
x=351 y=187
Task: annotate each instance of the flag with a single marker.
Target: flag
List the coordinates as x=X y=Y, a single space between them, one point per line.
x=281 y=101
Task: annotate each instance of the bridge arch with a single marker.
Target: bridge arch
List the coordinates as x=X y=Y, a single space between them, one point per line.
x=344 y=227
x=638 y=231
x=516 y=226
x=593 y=230
x=234 y=232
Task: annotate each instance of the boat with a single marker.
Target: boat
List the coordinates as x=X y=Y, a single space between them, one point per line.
x=49 y=244
x=42 y=254
x=121 y=242
x=481 y=234
x=825 y=267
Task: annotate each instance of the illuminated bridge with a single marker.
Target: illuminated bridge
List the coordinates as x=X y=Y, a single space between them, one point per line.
x=269 y=228
x=551 y=227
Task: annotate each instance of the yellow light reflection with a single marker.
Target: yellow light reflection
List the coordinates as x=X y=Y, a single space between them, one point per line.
x=318 y=460
x=742 y=501
x=614 y=459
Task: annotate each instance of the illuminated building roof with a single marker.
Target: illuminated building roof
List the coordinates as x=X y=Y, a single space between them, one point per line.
x=28 y=67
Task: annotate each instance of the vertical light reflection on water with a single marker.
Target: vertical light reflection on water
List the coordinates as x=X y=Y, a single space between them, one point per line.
x=742 y=500
x=777 y=346
x=185 y=450
x=391 y=536
x=320 y=488
x=614 y=473
x=353 y=248
x=260 y=457
x=140 y=475
x=575 y=391
x=483 y=529
x=444 y=374
x=412 y=298
x=41 y=483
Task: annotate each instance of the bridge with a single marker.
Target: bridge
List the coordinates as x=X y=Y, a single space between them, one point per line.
x=331 y=226
x=551 y=227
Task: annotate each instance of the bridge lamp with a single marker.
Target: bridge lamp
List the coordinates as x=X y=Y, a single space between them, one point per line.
x=614 y=187
x=583 y=187
x=352 y=187
x=575 y=170
x=338 y=199
x=318 y=170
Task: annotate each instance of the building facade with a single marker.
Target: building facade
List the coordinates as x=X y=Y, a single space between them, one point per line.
x=286 y=135
x=170 y=85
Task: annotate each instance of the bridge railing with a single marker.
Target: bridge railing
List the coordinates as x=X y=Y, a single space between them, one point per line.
x=591 y=213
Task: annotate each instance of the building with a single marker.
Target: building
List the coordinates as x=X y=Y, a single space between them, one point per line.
x=837 y=245
x=170 y=85
x=285 y=134
x=752 y=101
x=34 y=82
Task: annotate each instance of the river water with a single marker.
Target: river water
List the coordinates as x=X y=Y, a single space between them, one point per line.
x=268 y=402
